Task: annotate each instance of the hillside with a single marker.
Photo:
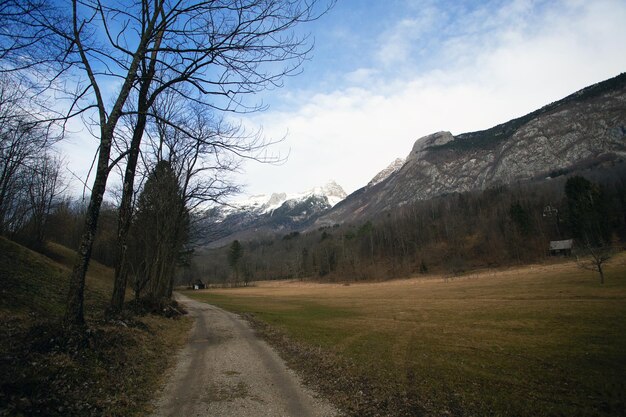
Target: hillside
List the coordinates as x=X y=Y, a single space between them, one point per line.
x=584 y=130
x=112 y=369
x=34 y=284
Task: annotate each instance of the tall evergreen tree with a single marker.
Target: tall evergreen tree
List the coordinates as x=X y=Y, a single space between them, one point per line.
x=158 y=234
x=587 y=213
x=234 y=256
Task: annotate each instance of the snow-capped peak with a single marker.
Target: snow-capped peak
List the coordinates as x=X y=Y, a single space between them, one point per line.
x=331 y=190
x=265 y=204
x=385 y=173
x=277 y=199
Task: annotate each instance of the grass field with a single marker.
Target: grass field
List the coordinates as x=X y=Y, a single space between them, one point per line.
x=113 y=369
x=534 y=341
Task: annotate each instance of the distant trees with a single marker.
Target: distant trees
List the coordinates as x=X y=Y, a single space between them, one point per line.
x=521 y=218
x=64 y=222
x=587 y=213
x=588 y=218
x=45 y=187
x=30 y=174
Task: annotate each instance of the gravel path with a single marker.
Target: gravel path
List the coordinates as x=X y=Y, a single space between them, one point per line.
x=225 y=370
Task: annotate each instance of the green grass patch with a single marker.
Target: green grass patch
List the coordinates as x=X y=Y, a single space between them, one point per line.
x=37 y=284
x=287 y=315
x=536 y=341
x=30 y=282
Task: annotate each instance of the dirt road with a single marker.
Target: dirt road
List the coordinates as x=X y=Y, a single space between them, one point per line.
x=225 y=370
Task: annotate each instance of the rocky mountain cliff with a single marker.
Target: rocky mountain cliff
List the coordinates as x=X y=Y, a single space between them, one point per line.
x=385 y=173
x=583 y=130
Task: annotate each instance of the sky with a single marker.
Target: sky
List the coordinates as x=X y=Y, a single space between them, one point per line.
x=382 y=74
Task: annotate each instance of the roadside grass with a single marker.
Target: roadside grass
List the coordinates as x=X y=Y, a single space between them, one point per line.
x=532 y=341
x=112 y=369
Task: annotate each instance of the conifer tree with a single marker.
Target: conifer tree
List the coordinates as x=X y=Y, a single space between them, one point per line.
x=158 y=234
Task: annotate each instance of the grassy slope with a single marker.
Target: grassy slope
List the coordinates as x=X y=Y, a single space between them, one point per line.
x=535 y=341
x=38 y=284
x=113 y=370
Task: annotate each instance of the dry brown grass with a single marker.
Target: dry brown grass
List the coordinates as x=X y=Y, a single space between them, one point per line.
x=112 y=369
x=537 y=340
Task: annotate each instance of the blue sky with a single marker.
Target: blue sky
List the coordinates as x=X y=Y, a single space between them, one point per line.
x=385 y=73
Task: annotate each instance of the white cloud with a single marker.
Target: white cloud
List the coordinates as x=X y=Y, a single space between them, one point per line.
x=399 y=42
x=362 y=76
x=497 y=69
x=81 y=148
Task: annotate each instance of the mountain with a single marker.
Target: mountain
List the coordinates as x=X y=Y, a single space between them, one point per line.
x=581 y=131
x=385 y=173
x=262 y=204
x=276 y=213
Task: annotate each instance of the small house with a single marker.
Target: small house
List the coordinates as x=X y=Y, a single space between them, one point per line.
x=198 y=285
x=561 y=247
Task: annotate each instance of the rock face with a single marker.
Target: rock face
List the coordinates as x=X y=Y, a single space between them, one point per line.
x=582 y=130
x=385 y=173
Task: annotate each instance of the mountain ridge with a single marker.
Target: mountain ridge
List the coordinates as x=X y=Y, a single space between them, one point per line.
x=276 y=213
x=584 y=128
x=331 y=190
x=385 y=173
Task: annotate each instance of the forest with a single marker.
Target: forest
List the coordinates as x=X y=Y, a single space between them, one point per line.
x=452 y=234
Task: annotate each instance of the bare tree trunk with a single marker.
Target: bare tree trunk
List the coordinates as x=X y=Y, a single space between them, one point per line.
x=125 y=215
x=74 y=310
x=601 y=273
x=75 y=301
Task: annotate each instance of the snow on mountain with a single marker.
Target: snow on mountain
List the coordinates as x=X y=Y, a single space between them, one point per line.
x=331 y=190
x=385 y=173
x=263 y=203
x=275 y=213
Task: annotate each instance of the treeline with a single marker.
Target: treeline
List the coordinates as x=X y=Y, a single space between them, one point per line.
x=30 y=170
x=158 y=238
x=35 y=204
x=450 y=234
x=157 y=241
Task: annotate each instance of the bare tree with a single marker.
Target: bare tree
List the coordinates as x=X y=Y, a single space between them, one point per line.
x=589 y=222
x=221 y=50
x=24 y=144
x=203 y=150
x=599 y=255
x=45 y=187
